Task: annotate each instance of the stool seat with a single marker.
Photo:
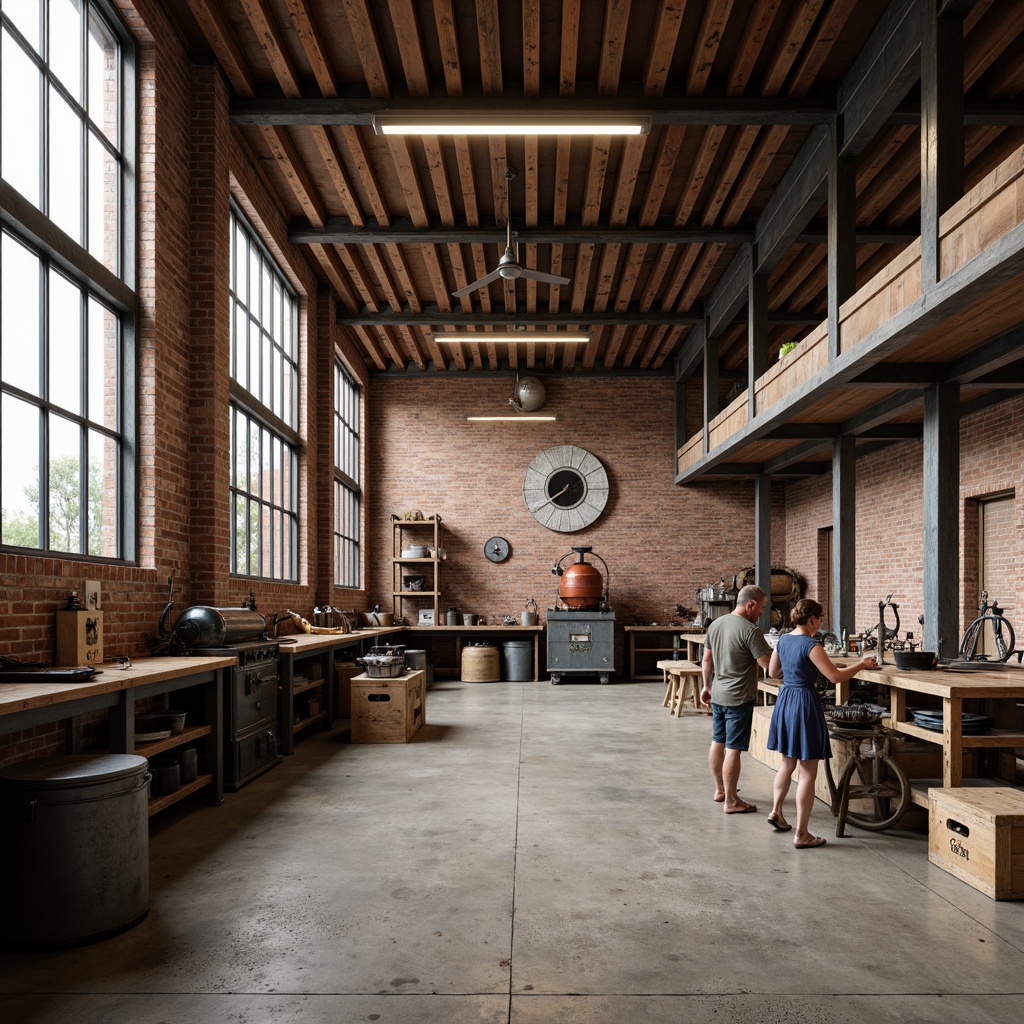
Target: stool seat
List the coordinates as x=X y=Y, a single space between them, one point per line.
x=679 y=677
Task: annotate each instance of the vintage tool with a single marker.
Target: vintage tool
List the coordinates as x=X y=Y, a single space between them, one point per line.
x=580 y=585
x=509 y=268
x=884 y=633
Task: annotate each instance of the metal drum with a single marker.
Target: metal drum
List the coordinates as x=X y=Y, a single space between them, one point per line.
x=480 y=664
x=518 y=660
x=74 y=848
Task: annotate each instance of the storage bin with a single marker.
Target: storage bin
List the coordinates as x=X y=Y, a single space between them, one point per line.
x=978 y=836
x=480 y=664
x=518 y=660
x=388 y=710
x=74 y=844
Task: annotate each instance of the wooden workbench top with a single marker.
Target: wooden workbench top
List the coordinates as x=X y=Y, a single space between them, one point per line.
x=23 y=696
x=947 y=682
x=299 y=643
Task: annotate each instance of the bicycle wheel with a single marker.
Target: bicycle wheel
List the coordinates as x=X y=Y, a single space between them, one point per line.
x=885 y=783
x=1002 y=634
x=969 y=643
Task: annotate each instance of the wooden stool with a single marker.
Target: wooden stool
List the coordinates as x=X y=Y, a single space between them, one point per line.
x=681 y=676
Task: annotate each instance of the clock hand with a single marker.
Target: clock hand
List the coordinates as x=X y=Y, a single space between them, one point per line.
x=552 y=498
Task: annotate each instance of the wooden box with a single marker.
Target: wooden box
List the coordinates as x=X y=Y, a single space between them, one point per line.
x=344 y=673
x=978 y=836
x=79 y=638
x=388 y=710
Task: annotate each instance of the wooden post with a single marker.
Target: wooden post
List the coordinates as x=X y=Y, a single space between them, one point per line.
x=710 y=384
x=757 y=334
x=763 y=543
x=842 y=236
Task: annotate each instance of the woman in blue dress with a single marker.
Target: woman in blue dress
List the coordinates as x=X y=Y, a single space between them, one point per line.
x=798 y=730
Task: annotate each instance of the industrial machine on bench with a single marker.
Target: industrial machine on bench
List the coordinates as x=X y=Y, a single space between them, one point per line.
x=581 y=634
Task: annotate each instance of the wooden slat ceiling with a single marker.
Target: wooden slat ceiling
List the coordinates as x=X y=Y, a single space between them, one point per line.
x=425 y=216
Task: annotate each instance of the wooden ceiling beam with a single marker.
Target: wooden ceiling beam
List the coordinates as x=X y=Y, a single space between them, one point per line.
x=312 y=42
x=435 y=316
x=224 y=43
x=263 y=24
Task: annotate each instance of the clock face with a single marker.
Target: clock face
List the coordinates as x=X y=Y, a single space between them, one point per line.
x=566 y=488
x=497 y=549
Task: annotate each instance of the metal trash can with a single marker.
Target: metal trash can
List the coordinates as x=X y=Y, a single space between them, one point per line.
x=418 y=660
x=518 y=660
x=74 y=846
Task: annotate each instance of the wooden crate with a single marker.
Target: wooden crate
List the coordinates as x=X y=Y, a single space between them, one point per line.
x=978 y=836
x=344 y=673
x=388 y=710
x=79 y=638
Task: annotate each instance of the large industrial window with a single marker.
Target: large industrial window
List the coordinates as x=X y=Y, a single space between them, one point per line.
x=66 y=279
x=347 y=495
x=264 y=411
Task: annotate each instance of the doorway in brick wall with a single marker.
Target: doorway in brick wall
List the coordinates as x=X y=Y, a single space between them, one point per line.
x=997 y=558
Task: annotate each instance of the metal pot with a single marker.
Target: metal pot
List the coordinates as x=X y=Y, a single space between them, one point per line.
x=910 y=661
x=529 y=616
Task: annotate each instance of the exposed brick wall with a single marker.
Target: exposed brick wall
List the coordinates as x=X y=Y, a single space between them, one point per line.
x=181 y=355
x=660 y=541
x=890 y=541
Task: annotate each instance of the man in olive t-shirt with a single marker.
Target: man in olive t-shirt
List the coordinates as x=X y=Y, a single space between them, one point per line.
x=735 y=646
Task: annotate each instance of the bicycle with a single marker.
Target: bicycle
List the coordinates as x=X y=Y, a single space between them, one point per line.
x=1003 y=638
x=882 y=780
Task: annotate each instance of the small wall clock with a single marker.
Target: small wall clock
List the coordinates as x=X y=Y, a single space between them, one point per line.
x=566 y=488
x=497 y=549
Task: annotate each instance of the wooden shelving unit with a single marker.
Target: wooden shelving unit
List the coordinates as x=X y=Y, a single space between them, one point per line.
x=424 y=533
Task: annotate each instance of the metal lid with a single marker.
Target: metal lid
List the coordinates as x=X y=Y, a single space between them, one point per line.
x=70 y=771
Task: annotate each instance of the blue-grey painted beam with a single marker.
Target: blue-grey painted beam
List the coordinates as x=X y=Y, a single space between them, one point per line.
x=710 y=385
x=941 y=486
x=757 y=335
x=763 y=543
x=842 y=236
x=730 y=294
x=844 y=534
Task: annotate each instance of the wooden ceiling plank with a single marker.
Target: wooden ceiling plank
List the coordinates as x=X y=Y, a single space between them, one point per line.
x=661 y=174
x=383 y=275
x=296 y=172
x=331 y=158
x=531 y=47
x=875 y=160
x=410 y=46
x=605 y=276
x=209 y=14
x=327 y=257
x=652 y=345
x=489 y=38
x=816 y=53
x=555 y=290
x=755 y=32
x=687 y=258
x=662 y=46
x=702 y=165
x=656 y=276
x=367 y=41
x=413 y=348
x=391 y=347
x=625 y=180
x=787 y=50
x=446 y=351
x=709 y=255
x=663 y=351
x=636 y=336
x=790 y=282
x=613 y=45
x=765 y=151
x=370 y=346
x=729 y=173
x=312 y=42
x=614 y=347
x=581 y=277
x=990 y=39
x=364 y=171
x=394 y=254
x=408 y=178
x=272 y=43
x=569 y=48
x=569 y=354
x=705 y=47
x=352 y=262
x=631 y=268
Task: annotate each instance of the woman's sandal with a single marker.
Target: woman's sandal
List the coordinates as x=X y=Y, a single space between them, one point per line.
x=779 y=826
x=815 y=841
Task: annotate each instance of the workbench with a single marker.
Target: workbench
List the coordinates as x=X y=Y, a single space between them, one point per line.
x=660 y=641
x=1003 y=688
x=117 y=690
x=471 y=634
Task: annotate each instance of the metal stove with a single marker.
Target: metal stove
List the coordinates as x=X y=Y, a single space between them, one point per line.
x=250 y=708
x=580 y=643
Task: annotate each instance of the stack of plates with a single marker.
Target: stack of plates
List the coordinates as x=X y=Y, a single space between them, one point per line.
x=971 y=724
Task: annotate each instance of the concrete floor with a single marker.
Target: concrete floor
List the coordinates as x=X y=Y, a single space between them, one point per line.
x=537 y=854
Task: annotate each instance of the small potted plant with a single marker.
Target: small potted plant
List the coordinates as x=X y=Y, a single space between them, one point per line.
x=786 y=348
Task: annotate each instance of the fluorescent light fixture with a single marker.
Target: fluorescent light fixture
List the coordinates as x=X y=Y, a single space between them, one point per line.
x=532 y=337
x=511 y=418
x=509 y=124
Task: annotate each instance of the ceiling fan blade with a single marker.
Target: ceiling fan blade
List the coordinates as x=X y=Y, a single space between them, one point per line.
x=538 y=275
x=482 y=283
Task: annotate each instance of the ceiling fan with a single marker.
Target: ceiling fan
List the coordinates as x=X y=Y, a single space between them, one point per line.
x=509 y=266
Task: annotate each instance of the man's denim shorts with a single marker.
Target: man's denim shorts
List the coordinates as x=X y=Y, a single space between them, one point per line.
x=731 y=725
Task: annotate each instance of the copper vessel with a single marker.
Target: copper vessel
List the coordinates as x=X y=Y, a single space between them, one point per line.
x=581 y=585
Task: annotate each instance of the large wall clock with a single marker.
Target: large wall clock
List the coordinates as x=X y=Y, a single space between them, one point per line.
x=566 y=488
